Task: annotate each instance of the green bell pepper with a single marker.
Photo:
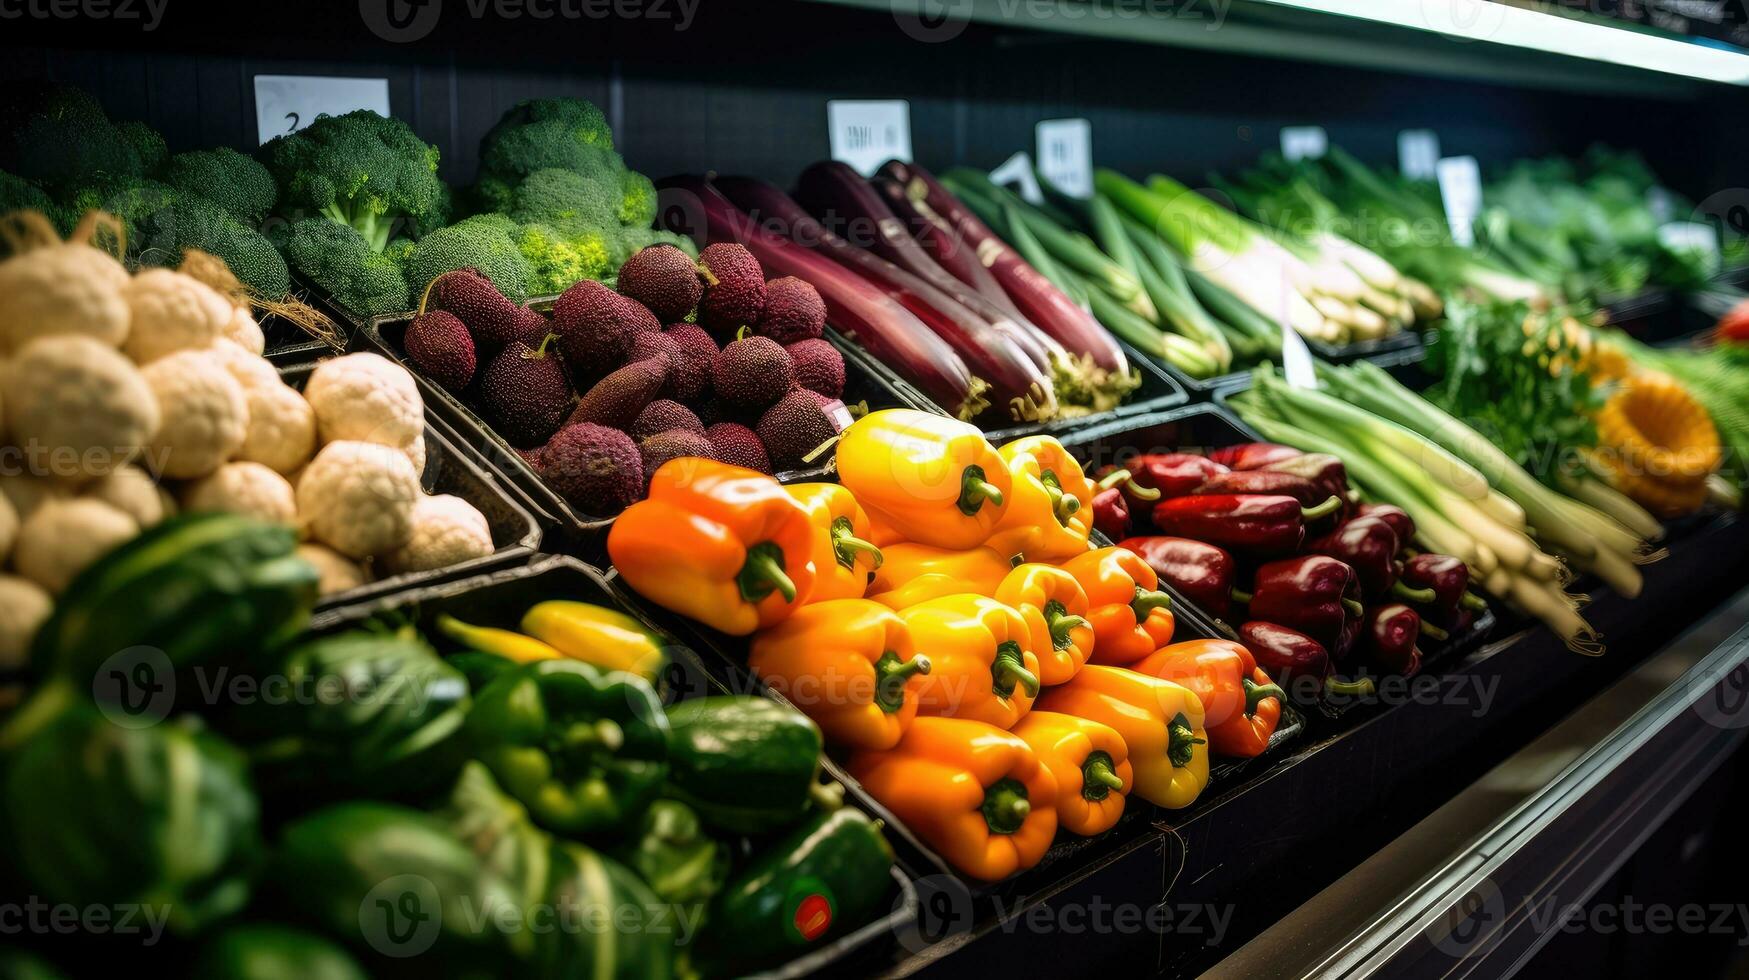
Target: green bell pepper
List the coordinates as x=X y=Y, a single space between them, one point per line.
x=270 y=952
x=497 y=829
x=479 y=667
x=609 y=925
x=748 y=765
x=583 y=749
x=680 y=862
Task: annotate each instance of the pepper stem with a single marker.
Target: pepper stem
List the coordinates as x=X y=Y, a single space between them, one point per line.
x=1008 y=670
x=974 y=490
x=891 y=673
x=1005 y=806
x=1362 y=688
x=846 y=546
x=763 y=573
x=1256 y=693
x=1146 y=602
x=1433 y=632
x=1060 y=623
x=1354 y=608
x=1063 y=505
x=1127 y=480
x=1099 y=777
x=1473 y=602
x=1241 y=597
x=1181 y=741
x=601 y=733
x=1409 y=593
x=1324 y=509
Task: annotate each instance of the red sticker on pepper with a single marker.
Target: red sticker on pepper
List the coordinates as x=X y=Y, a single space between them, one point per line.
x=813 y=916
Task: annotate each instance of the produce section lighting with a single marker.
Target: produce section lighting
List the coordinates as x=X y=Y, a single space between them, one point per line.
x=1500 y=23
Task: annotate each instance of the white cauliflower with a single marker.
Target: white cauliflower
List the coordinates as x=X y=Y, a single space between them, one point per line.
x=132 y=491
x=65 y=535
x=244 y=488
x=242 y=330
x=63 y=289
x=205 y=414
x=416 y=454
x=447 y=530
x=282 y=426
x=77 y=408
x=24 y=607
x=24 y=492
x=172 y=312
x=249 y=369
x=358 y=497
x=335 y=571
x=366 y=398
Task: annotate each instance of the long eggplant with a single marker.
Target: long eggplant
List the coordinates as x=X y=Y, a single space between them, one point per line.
x=1018 y=388
x=943 y=244
x=689 y=205
x=1041 y=302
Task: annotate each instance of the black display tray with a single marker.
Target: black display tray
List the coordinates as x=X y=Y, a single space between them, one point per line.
x=500 y=598
x=451 y=467
x=1159 y=389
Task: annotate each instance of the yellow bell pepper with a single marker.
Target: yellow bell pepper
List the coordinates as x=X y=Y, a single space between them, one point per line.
x=929 y=478
x=980 y=665
x=1159 y=721
x=1055 y=608
x=848 y=664
x=605 y=638
x=843 y=555
x=1050 y=505
x=1091 y=764
x=913 y=573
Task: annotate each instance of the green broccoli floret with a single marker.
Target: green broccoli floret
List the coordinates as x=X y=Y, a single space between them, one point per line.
x=637 y=204
x=63 y=140
x=491 y=194
x=160 y=238
x=360 y=169
x=147 y=142
x=338 y=259
x=18 y=194
x=682 y=242
x=556 y=261
x=570 y=134
x=566 y=200
x=227 y=178
x=484 y=242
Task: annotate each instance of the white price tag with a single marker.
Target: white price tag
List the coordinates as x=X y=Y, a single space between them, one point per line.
x=1460 y=190
x=1065 y=155
x=1303 y=142
x=1017 y=170
x=1418 y=153
x=1690 y=236
x=868 y=133
x=288 y=103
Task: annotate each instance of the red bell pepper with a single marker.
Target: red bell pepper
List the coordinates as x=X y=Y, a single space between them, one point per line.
x=1395 y=516
x=1388 y=637
x=1201 y=572
x=1171 y=474
x=1111 y=503
x=1259 y=524
x=1315 y=594
x=1298 y=663
x=1241 y=704
x=1367 y=545
x=1321 y=468
x=1309 y=494
x=1252 y=455
x=1442 y=578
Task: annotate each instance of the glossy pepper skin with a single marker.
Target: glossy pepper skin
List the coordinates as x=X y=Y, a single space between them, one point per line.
x=596 y=635
x=1050 y=505
x=1260 y=524
x=976 y=794
x=1091 y=766
x=1111 y=513
x=1201 y=572
x=585 y=750
x=932 y=479
x=1391 y=514
x=1252 y=455
x=1131 y=617
x=914 y=573
x=1315 y=594
x=1447 y=579
x=842 y=553
x=1158 y=720
x=1267 y=482
x=1388 y=635
x=1171 y=474
x=848 y=664
x=1321 y=468
x=720 y=544
x=980 y=664
x=1367 y=545
x=1241 y=704
x=1298 y=663
x=1055 y=609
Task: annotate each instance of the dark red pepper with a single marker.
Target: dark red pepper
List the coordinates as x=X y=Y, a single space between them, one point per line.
x=1387 y=640
x=1309 y=494
x=1258 y=523
x=1315 y=594
x=1297 y=662
x=1252 y=455
x=1441 y=583
x=1395 y=516
x=1200 y=571
x=1111 y=513
x=1321 y=468
x=1172 y=474
x=1367 y=545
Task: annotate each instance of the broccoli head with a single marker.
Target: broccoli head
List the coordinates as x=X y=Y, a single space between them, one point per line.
x=62 y=140
x=368 y=171
x=567 y=200
x=337 y=258
x=491 y=194
x=227 y=178
x=147 y=142
x=131 y=199
x=570 y=134
x=484 y=242
x=637 y=203
x=555 y=261
x=160 y=238
x=18 y=194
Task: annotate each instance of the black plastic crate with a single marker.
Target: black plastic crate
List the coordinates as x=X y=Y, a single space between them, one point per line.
x=451 y=467
x=500 y=598
x=862 y=386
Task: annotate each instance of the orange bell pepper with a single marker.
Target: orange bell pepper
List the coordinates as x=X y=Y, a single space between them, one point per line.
x=1131 y=618
x=720 y=544
x=1091 y=766
x=1050 y=505
x=933 y=479
x=976 y=794
x=913 y=573
x=849 y=665
x=980 y=666
x=1159 y=721
x=1241 y=705
x=843 y=555
x=1055 y=608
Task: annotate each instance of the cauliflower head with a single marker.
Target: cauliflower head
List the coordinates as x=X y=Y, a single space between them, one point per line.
x=64 y=536
x=365 y=398
x=172 y=312
x=63 y=289
x=77 y=407
x=358 y=497
x=206 y=416
x=244 y=488
x=132 y=491
x=335 y=572
x=242 y=330
x=24 y=607
x=447 y=530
